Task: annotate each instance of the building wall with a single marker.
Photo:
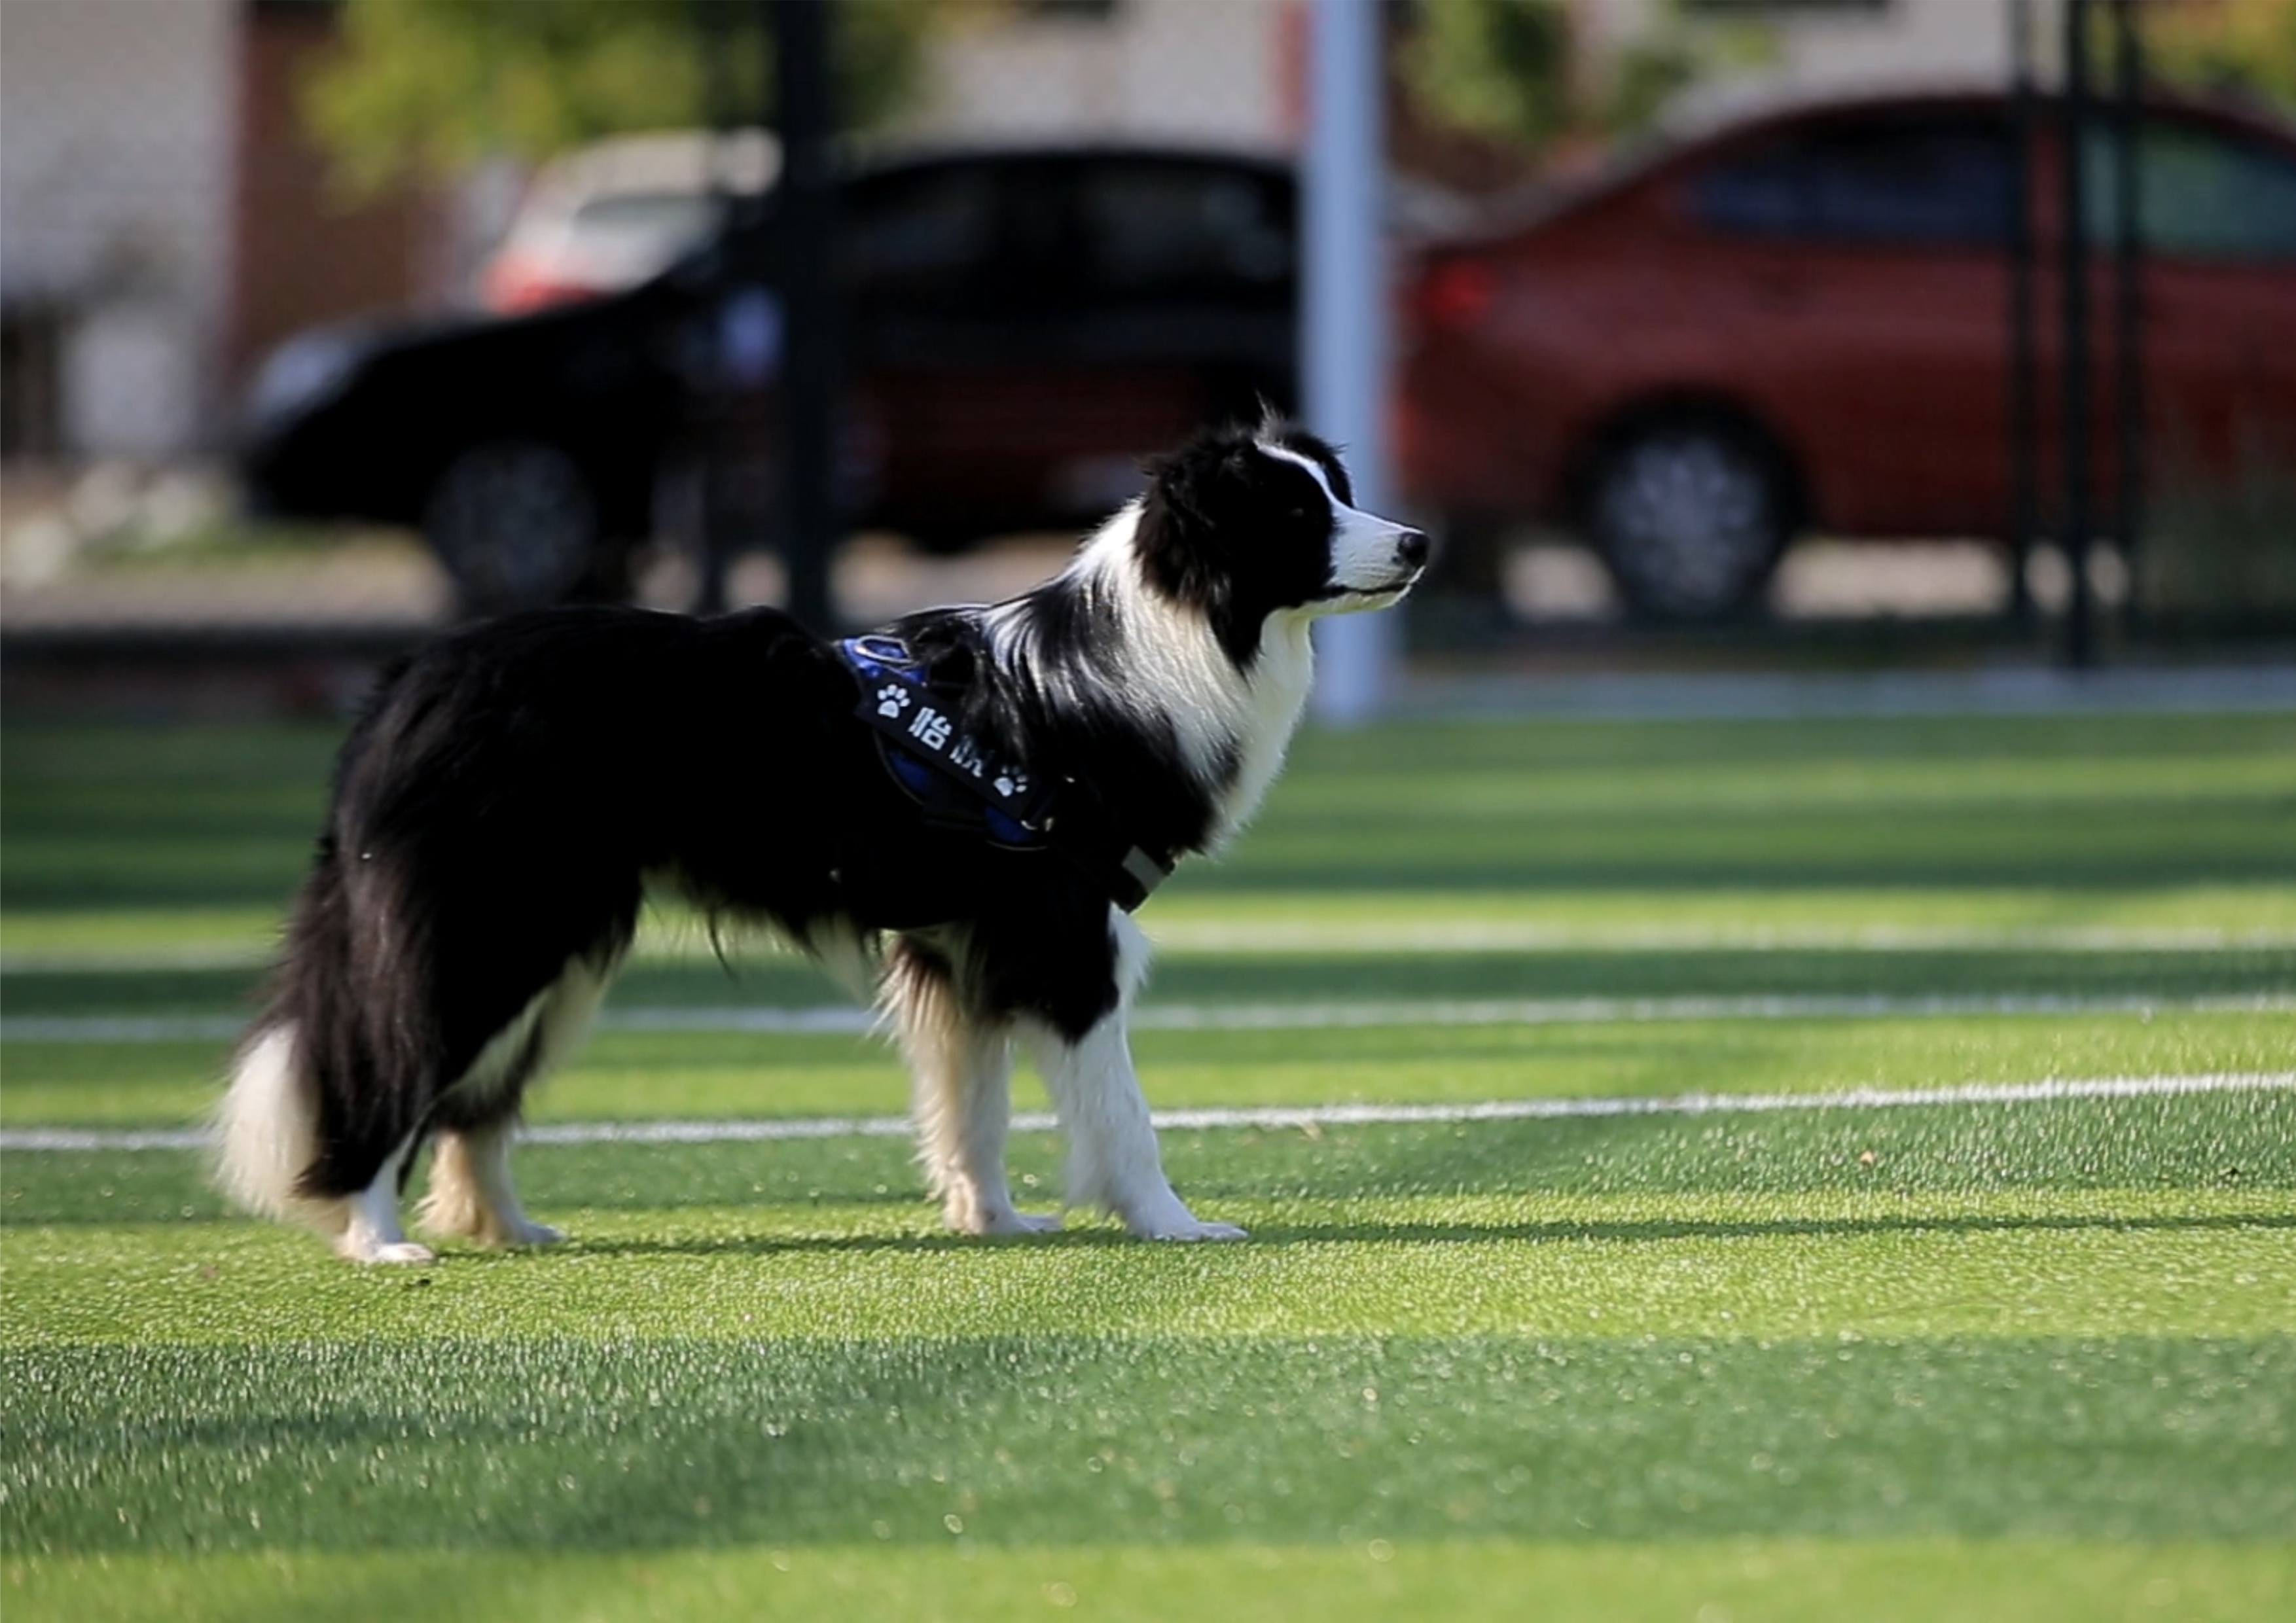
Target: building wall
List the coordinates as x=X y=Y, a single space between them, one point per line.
x=115 y=176
x=1825 y=47
x=1203 y=71
x=308 y=253
x=1227 y=70
x=1955 y=41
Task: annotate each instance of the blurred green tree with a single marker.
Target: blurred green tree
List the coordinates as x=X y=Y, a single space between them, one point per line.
x=1499 y=68
x=2241 y=48
x=422 y=88
x=1513 y=69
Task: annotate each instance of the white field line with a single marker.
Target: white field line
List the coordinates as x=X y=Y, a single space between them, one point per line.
x=1215 y=938
x=835 y=1020
x=19 y=1140
x=1385 y=937
x=138 y=960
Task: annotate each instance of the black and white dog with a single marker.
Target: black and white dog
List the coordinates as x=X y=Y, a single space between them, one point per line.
x=960 y=811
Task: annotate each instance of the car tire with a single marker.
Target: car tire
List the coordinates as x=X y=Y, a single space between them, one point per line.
x=516 y=522
x=1691 y=517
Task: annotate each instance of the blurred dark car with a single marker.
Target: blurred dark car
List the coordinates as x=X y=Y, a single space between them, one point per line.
x=1022 y=326
x=620 y=211
x=1800 y=323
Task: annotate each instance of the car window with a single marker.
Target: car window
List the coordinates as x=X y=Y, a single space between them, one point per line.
x=1926 y=181
x=920 y=231
x=680 y=216
x=2202 y=193
x=1161 y=228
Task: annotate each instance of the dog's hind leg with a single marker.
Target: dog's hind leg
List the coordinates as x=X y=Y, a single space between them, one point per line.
x=370 y=1231
x=267 y=1135
x=1113 y=1161
x=960 y=1070
x=471 y=1193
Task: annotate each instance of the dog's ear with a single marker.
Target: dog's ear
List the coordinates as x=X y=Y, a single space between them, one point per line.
x=1196 y=496
x=1189 y=482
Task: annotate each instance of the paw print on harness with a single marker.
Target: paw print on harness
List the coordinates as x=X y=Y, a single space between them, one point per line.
x=1011 y=784
x=892 y=699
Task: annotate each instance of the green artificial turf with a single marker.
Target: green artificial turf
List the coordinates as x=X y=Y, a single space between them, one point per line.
x=2181 y=1263
x=1193 y=920
x=1577 y=1579
x=639 y=1075
x=1189 y=977
x=221 y=817
x=1127 y=1437
x=2223 y=1142
x=2032 y=1360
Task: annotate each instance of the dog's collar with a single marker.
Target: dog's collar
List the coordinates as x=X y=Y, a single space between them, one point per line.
x=930 y=753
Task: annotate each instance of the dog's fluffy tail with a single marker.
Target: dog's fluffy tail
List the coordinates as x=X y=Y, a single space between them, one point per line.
x=266 y=1130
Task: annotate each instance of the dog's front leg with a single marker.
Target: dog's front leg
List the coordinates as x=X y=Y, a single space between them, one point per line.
x=964 y=1105
x=961 y=1069
x=1113 y=1161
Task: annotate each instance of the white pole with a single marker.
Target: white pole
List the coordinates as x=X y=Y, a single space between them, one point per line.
x=1343 y=319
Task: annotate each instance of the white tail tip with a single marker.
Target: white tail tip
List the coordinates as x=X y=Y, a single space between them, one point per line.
x=266 y=1132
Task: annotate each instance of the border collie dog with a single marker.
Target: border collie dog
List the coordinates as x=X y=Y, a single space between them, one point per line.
x=959 y=811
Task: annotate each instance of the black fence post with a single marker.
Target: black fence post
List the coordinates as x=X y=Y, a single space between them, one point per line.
x=2024 y=362
x=799 y=32
x=712 y=515
x=2128 y=296
x=2077 y=418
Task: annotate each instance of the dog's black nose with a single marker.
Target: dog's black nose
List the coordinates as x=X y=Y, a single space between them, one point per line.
x=1411 y=547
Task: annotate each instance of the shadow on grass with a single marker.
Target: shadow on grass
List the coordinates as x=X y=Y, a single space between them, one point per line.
x=1618 y=1233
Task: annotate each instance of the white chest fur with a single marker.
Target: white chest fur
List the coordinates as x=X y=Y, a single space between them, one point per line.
x=1232 y=726
x=1276 y=693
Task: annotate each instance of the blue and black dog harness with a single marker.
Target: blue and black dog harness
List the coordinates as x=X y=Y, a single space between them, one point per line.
x=964 y=785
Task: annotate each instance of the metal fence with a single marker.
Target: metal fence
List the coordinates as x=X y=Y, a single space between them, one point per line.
x=167 y=221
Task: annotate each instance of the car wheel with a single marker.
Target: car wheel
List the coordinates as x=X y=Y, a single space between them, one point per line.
x=516 y=523
x=1691 y=518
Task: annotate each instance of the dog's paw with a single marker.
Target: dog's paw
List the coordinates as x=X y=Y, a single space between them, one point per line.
x=1182 y=1227
x=1025 y=1223
x=388 y=1250
x=1006 y=1223
x=526 y=1231
x=1190 y=1231
x=1162 y=1215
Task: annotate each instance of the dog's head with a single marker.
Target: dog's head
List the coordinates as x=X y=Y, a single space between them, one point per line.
x=1242 y=523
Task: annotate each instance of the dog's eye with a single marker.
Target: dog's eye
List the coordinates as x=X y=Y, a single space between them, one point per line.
x=1298 y=513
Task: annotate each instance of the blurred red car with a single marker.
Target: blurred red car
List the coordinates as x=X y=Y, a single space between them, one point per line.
x=1800 y=323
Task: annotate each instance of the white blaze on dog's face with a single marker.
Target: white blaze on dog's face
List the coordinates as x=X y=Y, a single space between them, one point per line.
x=1373 y=561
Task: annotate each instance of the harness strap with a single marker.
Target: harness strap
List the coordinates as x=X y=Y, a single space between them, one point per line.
x=930 y=755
